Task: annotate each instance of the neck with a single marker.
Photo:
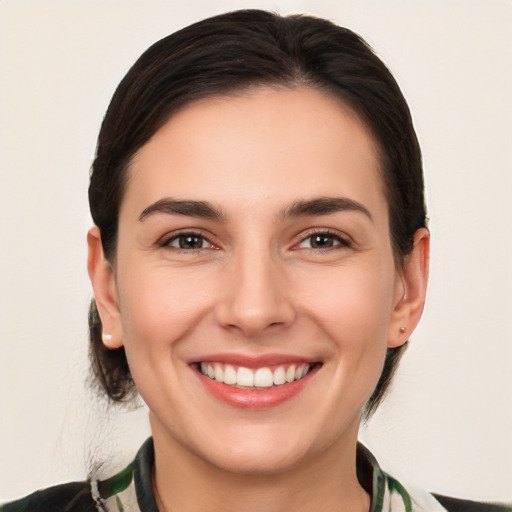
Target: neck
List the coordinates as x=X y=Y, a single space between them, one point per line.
x=327 y=482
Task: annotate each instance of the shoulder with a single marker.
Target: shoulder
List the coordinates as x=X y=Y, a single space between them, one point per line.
x=460 y=505
x=74 y=496
x=115 y=493
x=412 y=499
x=420 y=500
x=390 y=495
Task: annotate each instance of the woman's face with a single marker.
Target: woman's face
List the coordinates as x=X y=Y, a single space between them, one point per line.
x=254 y=246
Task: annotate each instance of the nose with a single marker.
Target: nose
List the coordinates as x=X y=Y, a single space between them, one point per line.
x=256 y=298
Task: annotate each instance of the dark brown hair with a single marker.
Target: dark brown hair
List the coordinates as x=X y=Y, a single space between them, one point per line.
x=228 y=53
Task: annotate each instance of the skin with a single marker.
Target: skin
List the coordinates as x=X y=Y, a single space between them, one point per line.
x=255 y=284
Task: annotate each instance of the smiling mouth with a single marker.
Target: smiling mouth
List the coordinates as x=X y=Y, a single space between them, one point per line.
x=255 y=378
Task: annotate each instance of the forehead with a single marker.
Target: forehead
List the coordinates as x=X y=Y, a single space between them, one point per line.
x=262 y=146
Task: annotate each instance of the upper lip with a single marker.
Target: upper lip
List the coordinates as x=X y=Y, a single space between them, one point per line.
x=252 y=361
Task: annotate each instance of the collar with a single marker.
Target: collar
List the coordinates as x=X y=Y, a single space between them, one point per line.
x=385 y=492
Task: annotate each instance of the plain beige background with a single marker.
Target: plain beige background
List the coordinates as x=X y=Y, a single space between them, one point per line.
x=448 y=423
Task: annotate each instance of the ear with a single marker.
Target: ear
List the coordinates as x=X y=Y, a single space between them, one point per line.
x=103 y=282
x=410 y=291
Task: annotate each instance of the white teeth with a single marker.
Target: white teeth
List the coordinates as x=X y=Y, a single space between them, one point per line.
x=290 y=373
x=279 y=376
x=245 y=377
x=229 y=375
x=218 y=373
x=301 y=371
x=261 y=378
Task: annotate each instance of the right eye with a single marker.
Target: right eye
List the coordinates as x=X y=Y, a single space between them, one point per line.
x=189 y=241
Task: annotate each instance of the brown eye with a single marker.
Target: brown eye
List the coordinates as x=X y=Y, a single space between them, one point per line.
x=323 y=241
x=188 y=241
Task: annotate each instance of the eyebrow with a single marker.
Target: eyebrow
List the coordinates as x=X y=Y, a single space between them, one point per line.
x=304 y=208
x=189 y=208
x=324 y=206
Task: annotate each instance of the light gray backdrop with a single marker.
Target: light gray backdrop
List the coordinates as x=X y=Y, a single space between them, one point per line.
x=448 y=423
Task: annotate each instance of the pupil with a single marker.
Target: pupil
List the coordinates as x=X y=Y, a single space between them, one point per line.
x=321 y=241
x=191 y=242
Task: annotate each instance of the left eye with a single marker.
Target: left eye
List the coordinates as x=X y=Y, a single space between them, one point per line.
x=322 y=241
x=189 y=241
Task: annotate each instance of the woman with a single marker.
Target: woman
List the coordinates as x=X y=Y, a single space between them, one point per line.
x=259 y=260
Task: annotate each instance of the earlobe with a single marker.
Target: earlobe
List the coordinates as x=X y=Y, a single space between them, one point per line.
x=414 y=278
x=103 y=282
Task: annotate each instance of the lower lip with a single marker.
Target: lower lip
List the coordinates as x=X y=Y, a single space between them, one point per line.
x=256 y=399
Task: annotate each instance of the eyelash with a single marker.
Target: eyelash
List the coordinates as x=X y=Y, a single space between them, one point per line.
x=167 y=242
x=337 y=241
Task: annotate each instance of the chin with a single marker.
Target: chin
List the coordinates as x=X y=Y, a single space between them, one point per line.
x=258 y=458
x=268 y=448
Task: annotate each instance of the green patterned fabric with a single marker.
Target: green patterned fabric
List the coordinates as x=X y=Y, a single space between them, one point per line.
x=130 y=490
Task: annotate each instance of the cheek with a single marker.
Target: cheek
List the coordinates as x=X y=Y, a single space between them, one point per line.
x=160 y=312
x=161 y=307
x=354 y=307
